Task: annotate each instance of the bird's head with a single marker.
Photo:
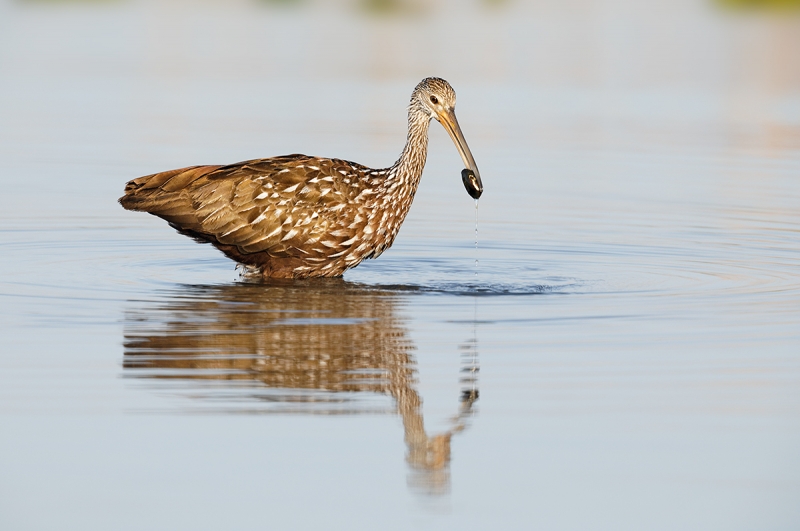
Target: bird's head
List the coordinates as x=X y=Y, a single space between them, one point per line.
x=436 y=98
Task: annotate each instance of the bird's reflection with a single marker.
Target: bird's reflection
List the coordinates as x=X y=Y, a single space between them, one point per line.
x=318 y=346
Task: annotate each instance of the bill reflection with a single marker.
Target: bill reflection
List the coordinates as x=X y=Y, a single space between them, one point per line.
x=317 y=347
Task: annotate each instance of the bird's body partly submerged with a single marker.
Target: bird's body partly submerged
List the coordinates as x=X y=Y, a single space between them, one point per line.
x=297 y=216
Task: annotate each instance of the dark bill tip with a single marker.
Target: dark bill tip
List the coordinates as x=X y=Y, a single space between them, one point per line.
x=471 y=183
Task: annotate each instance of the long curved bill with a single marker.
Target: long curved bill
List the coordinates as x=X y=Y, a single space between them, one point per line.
x=470 y=176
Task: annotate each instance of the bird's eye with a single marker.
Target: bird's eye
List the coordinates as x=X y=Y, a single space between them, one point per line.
x=434 y=100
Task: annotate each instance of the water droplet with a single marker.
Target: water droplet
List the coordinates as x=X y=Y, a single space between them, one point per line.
x=476 y=238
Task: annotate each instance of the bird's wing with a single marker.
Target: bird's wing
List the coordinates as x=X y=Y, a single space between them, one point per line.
x=287 y=206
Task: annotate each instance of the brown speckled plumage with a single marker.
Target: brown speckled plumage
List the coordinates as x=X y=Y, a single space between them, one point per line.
x=297 y=216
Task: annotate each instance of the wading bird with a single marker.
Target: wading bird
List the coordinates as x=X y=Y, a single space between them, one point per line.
x=297 y=216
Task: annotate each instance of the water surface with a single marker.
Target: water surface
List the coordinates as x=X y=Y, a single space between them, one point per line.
x=625 y=356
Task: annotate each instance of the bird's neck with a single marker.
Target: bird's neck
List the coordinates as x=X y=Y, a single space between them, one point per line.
x=408 y=168
x=398 y=183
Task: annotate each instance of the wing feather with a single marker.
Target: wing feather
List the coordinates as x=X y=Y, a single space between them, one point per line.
x=283 y=206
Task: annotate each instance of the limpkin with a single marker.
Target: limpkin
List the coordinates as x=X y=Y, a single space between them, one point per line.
x=297 y=216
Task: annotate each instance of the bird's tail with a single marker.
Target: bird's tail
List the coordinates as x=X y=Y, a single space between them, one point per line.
x=165 y=194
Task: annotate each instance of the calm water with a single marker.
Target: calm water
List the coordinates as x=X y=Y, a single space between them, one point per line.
x=627 y=355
